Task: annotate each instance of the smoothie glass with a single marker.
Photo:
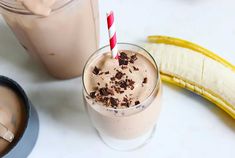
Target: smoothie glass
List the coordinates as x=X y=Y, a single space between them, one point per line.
x=129 y=128
x=62 y=41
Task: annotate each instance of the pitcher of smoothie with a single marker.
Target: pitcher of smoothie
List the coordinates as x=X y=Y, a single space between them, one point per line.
x=60 y=34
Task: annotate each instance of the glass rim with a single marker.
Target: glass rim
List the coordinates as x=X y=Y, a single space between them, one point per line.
x=156 y=86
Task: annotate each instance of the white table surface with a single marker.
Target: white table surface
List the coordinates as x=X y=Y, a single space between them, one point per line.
x=189 y=126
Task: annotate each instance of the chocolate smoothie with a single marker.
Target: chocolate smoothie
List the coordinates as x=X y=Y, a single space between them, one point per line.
x=12 y=117
x=60 y=34
x=122 y=96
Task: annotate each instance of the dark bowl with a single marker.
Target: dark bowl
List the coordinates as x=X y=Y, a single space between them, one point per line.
x=22 y=145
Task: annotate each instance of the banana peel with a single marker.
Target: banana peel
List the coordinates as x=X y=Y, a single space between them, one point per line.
x=195 y=68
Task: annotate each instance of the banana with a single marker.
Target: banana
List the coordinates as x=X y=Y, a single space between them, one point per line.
x=195 y=68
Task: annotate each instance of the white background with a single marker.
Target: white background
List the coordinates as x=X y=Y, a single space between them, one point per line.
x=189 y=126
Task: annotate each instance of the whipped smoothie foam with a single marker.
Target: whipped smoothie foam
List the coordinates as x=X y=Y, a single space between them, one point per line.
x=61 y=34
x=122 y=96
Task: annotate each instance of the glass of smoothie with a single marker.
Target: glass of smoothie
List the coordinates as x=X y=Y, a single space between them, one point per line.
x=60 y=34
x=122 y=97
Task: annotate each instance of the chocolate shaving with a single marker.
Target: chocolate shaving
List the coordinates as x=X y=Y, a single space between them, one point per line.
x=123 y=55
x=145 y=80
x=137 y=102
x=96 y=71
x=125 y=99
x=125 y=102
x=123 y=59
x=123 y=62
x=104 y=91
x=113 y=101
x=123 y=84
x=123 y=67
x=133 y=59
x=107 y=72
x=106 y=101
x=119 y=75
x=117 y=89
x=130 y=82
x=135 y=68
x=92 y=94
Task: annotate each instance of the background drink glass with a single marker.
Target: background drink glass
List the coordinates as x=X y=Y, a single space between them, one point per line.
x=129 y=128
x=62 y=41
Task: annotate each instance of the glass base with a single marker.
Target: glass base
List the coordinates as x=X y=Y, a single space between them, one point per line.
x=129 y=144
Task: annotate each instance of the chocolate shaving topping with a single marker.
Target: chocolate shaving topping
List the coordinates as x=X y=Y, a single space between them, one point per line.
x=123 y=59
x=113 y=101
x=117 y=89
x=137 y=102
x=125 y=104
x=96 y=71
x=130 y=82
x=119 y=75
x=133 y=58
x=92 y=94
x=123 y=62
x=135 y=68
x=106 y=101
x=117 y=84
x=112 y=78
x=145 y=80
x=123 y=55
x=123 y=84
x=123 y=67
x=104 y=91
x=125 y=99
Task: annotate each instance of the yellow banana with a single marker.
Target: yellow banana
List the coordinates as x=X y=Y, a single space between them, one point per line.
x=195 y=68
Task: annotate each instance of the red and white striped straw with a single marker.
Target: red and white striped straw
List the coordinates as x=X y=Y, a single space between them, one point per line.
x=112 y=35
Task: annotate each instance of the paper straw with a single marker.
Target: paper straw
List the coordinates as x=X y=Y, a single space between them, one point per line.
x=112 y=35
